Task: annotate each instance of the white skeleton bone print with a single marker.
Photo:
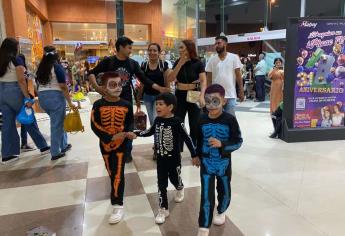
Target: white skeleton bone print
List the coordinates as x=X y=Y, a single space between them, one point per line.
x=166 y=144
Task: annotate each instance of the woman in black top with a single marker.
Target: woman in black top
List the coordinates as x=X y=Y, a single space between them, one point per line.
x=189 y=74
x=157 y=71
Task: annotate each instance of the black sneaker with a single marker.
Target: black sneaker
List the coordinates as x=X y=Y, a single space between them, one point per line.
x=128 y=157
x=26 y=148
x=66 y=149
x=45 y=150
x=9 y=160
x=62 y=154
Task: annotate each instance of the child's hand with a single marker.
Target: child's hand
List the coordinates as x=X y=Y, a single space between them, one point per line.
x=215 y=143
x=196 y=161
x=131 y=135
x=118 y=136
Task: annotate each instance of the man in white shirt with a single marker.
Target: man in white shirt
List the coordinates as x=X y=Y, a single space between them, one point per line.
x=225 y=69
x=260 y=77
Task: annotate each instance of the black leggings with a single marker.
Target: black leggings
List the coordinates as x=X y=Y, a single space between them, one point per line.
x=193 y=114
x=168 y=168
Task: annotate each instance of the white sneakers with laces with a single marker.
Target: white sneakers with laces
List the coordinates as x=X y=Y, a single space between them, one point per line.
x=179 y=196
x=203 y=232
x=117 y=214
x=219 y=219
x=162 y=214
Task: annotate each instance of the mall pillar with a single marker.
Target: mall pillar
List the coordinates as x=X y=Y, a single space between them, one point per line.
x=120 y=27
x=15 y=18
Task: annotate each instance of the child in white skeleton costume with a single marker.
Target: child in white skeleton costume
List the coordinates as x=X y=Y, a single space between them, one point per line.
x=168 y=130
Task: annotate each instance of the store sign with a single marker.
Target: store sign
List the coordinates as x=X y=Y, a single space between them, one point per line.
x=320 y=74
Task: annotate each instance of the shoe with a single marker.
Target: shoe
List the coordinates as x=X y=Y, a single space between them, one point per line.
x=58 y=156
x=273 y=135
x=9 y=160
x=45 y=150
x=203 y=232
x=128 y=158
x=26 y=148
x=67 y=148
x=162 y=214
x=179 y=196
x=117 y=214
x=219 y=219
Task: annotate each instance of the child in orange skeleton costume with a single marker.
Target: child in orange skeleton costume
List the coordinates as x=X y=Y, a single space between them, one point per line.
x=112 y=122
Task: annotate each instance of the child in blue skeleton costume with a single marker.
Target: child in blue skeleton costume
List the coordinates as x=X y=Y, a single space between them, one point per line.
x=219 y=135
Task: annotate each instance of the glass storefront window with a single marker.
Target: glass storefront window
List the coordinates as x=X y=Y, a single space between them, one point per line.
x=280 y=10
x=210 y=18
x=323 y=8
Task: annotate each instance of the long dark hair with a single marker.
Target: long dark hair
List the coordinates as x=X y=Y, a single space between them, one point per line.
x=191 y=48
x=50 y=57
x=8 y=53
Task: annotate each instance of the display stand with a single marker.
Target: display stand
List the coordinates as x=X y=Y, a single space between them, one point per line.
x=290 y=132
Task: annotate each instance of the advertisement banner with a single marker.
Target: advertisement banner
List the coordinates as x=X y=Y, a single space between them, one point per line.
x=320 y=74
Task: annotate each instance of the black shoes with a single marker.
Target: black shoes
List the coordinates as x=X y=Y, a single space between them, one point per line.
x=66 y=149
x=62 y=154
x=128 y=157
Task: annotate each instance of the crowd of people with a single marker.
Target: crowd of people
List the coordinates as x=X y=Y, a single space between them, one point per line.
x=208 y=94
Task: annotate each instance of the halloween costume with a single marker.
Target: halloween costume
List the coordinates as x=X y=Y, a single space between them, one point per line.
x=216 y=163
x=107 y=120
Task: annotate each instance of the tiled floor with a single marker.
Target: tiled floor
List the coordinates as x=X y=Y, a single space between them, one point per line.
x=277 y=188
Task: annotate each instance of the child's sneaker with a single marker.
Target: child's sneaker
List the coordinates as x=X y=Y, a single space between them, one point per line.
x=117 y=214
x=162 y=214
x=179 y=196
x=219 y=219
x=203 y=232
x=26 y=148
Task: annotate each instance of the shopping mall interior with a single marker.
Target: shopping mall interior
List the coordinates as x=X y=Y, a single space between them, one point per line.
x=286 y=186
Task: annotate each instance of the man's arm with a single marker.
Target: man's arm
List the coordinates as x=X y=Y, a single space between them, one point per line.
x=209 y=78
x=239 y=81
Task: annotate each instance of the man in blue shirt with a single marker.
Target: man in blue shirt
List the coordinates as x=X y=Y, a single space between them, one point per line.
x=260 y=76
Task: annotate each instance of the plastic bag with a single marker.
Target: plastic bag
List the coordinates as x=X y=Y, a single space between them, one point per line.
x=26 y=115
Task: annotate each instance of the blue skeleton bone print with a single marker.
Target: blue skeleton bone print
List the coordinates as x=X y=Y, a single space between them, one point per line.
x=214 y=163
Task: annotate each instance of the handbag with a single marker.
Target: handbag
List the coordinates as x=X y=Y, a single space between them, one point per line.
x=192 y=95
x=26 y=115
x=72 y=122
x=140 y=120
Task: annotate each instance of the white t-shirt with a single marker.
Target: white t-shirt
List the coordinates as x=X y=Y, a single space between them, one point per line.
x=223 y=72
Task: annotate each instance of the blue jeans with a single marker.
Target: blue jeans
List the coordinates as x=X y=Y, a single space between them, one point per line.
x=230 y=106
x=150 y=103
x=54 y=104
x=11 y=101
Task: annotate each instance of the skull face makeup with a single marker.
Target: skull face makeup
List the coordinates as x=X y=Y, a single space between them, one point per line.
x=213 y=101
x=114 y=86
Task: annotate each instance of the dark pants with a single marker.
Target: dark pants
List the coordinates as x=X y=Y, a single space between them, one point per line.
x=210 y=171
x=168 y=168
x=23 y=135
x=277 y=119
x=260 y=87
x=115 y=164
x=193 y=114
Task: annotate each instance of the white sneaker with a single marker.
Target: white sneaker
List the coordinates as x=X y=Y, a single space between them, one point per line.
x=203 y=232
x=162 y=214
x=179 y=196
x=117 y=214
x=219 y=219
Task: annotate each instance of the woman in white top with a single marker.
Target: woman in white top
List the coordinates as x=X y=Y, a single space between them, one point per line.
x=337 y=116
x=52 y=95
x=13 y=95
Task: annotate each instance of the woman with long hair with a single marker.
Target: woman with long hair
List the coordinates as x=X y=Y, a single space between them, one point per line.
x=13 y=95
x=156 y=70
x=189 y=74
x=52 y=95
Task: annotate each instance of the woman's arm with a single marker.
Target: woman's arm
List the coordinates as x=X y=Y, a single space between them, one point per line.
x=166 y=77
x=174 y=72
x=270 y=74
x=22 y=81
x=203 y=86
x=64 y=89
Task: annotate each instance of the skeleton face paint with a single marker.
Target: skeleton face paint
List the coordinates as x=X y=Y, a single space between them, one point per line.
x=114 y=87
x=213 y=101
